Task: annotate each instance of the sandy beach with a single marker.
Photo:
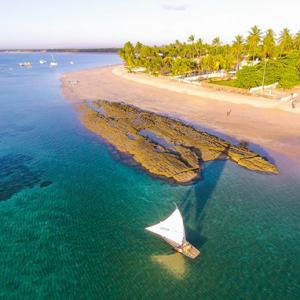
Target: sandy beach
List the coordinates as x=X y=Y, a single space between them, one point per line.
x=265 y=122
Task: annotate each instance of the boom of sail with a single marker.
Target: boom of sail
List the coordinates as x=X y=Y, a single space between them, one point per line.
x=172 y=231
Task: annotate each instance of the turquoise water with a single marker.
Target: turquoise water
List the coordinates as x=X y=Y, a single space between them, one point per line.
x=73 y=215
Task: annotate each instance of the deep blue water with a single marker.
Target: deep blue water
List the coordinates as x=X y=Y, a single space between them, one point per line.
x=72 y=216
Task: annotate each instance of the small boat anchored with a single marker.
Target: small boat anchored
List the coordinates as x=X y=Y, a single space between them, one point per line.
x=173 y=232
x=53 y=63
x=42 y=61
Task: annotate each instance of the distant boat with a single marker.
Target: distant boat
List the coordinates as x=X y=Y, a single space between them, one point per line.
x=21 y=64
x=53 y=63
x=27 y=63
x=11 y=69
x=173 y=232
x=42 y=61
x=72 y=62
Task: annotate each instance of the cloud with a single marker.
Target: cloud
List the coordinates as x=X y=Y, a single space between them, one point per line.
x=175 y=7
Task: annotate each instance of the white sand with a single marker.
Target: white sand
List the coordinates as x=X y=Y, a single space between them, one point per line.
x=262 y=121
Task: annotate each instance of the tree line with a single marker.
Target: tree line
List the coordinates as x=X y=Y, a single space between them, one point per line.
x=196 y=56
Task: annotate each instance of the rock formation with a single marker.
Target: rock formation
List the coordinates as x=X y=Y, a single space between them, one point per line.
x=162 y=145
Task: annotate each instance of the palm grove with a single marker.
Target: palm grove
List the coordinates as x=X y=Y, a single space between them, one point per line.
x=281 y=54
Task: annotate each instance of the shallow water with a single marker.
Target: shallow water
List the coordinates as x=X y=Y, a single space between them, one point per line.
x=73 y=216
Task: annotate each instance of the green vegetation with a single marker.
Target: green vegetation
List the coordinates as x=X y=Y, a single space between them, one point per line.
x=284 y=70
x=195 y=57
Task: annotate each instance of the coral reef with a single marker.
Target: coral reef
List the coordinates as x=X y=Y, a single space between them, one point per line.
x=162 y=145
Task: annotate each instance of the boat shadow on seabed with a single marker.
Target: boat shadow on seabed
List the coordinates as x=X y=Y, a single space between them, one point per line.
x=193 y=207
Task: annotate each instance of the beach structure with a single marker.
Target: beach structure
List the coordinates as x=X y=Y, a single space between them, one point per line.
x=173 y=232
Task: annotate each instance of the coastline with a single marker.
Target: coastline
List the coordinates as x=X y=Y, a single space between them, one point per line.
x=261 y=121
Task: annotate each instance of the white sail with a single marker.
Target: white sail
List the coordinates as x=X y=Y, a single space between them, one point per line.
x=53 y=63
x=172 y=228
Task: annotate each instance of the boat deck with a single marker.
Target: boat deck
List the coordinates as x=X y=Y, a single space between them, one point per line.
x=186 y=249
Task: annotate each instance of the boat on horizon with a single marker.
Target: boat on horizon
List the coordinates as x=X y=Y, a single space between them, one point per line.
x=27 y=63
x=53 y=63
x=42 y=61
x=173 y=232
x=21 y=64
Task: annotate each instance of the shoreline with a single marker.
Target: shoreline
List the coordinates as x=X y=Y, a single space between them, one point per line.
x=263 y=122
x=208 y=93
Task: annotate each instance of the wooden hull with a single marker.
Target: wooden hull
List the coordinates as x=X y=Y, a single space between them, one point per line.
x=186 y=248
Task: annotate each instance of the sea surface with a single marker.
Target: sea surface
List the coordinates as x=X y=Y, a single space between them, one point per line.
x=72 y=214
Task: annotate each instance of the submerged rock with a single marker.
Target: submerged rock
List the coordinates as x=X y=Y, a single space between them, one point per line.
x=164 y=146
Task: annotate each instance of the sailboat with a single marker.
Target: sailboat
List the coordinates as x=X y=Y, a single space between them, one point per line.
x=173 y=232
x=53 y=63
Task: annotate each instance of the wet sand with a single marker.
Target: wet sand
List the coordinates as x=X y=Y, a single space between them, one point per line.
x=266 y=122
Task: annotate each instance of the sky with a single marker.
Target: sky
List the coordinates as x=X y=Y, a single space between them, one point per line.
x=40 y=24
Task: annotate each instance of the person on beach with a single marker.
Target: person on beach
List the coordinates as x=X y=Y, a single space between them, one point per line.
x=292 y=102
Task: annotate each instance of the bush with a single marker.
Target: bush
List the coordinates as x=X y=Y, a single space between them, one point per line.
x=284 y=70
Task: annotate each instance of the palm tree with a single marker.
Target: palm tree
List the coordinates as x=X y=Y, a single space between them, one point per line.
x=206 y=48
x=268 y=45
x=228 y=62
x=191 y=40
x=296 y=41
x=127 y=53
x=226 y=49
x=199 y=46
x=238 y=47
x=270 y=37
x=285 y=40
x=254 y=39
x=216 y=43
x=138 y=48
x=218 y=62
x=208 y=63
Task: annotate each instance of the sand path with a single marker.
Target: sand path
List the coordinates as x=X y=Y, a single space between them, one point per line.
x=262 y=121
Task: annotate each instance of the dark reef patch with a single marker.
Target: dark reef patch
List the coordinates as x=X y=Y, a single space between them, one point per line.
x=45 y=184
x=16 y=174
